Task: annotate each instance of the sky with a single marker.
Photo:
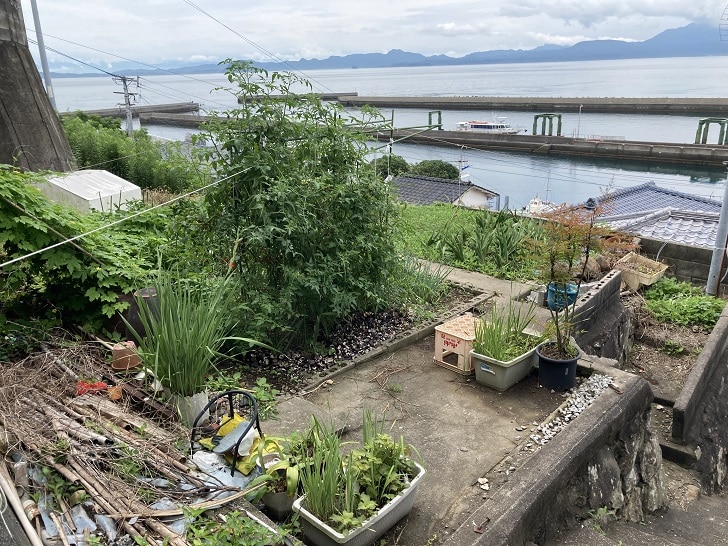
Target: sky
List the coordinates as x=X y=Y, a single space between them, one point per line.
x=185 y=32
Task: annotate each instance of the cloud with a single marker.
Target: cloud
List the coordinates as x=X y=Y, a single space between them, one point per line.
x=159 y=30
x=453 y=29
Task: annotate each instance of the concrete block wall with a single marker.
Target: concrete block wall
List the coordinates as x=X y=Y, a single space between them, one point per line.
x=686 y=263
x=604 y=324
x=527 y=510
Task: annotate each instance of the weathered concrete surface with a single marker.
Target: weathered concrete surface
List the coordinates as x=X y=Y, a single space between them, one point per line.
x=659 y=153
x=614 y=105
x=464 y=431
x=527 y=509
x=31 y=136
x=685 y=411
x=459 y=428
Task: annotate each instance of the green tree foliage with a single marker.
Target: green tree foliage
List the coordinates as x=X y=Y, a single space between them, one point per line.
x=307 y=226
x=75 y=282
x=99 y=143
x=436 y=168
x=389 y=164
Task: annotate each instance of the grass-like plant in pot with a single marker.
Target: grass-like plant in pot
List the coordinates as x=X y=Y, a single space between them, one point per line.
x=185 y=328
x=356 y=497
x=503 y=352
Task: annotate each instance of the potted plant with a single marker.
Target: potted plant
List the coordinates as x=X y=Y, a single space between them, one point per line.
x=279 y=458
x=503 y=351
x=355 y=498
x=570 y=236
x=182 y=334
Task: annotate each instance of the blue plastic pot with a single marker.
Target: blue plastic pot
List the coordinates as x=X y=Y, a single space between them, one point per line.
x=559 y=296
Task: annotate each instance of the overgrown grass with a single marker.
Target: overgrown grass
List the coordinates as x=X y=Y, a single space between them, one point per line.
x=669 y=300
x=494 y=243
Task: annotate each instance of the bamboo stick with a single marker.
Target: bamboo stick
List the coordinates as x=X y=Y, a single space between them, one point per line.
x=171 y=512
x=134 y=440
x=14 y=500
x=61 y=531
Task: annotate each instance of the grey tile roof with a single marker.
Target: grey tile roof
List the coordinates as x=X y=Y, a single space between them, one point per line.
x=426 y=190
x=651 y=197
x=693 y=228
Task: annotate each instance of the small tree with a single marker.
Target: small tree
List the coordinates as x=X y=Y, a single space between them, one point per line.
x=307 y=226
x=570 y=236
x=389 y=165
x=436 y=168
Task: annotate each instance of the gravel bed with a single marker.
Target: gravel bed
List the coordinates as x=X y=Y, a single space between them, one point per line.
x=289 y=372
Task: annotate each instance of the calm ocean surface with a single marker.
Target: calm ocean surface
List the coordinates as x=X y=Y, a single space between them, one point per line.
x=520 y=177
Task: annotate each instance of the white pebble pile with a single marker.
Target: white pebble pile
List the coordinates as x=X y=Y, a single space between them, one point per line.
x=579 y=399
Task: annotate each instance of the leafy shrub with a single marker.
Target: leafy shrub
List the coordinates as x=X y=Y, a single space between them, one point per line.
x=669 y=300
x=79 y=281
x=307 y=225
x=436 y=168
x=389 y=165
x=100 y=144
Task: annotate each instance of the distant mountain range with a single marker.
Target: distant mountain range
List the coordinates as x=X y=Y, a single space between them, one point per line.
x=693 y=40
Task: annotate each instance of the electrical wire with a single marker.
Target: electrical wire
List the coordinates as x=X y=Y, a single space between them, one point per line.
x=257 y=46
x=122 y=220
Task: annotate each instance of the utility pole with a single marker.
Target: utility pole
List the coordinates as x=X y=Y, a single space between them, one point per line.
x=124 y=80
x=42 y=52
x=719 y=247
x=578 y=123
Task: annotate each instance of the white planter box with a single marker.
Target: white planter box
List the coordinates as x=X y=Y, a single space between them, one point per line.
x=322 y=535
x=501 y=375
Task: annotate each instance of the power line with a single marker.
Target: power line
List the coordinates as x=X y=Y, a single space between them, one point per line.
x=117 y=222
x=255 y=45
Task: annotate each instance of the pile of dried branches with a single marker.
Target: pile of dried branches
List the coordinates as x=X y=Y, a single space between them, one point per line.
x=100 y=442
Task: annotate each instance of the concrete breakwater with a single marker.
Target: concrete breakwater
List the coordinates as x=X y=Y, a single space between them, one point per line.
x=602 y=105
x=708 y=155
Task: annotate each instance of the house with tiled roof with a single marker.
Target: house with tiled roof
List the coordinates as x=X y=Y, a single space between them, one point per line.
x=650 y=197
x=675 y=227
x=650 y=211
x=427 y=190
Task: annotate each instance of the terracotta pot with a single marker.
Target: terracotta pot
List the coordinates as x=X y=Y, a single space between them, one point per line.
x=124 y=356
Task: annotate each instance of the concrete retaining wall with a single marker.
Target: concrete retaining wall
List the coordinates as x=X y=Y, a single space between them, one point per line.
x=686 y=263
x=526 y=509
x=684 y=411
x=654 y=152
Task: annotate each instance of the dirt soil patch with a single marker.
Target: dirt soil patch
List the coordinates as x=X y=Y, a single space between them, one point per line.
x=663 y=354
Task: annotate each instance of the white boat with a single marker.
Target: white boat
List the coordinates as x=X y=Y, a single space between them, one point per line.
x=497 y=127
x=539 y=206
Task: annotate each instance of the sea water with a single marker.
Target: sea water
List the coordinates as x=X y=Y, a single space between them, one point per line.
x=519 y=177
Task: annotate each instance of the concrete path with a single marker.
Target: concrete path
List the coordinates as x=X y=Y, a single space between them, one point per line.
x=460 y=429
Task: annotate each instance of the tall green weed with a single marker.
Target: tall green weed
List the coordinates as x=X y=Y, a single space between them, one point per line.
x=669 y=300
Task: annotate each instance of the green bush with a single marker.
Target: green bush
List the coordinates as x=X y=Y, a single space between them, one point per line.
x=436 y=168
x=389 y=165
x=669 y=300
x=77 y=282
x=308 y=226
x=99 y=143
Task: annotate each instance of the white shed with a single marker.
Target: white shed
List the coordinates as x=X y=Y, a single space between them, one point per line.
x=91 y=189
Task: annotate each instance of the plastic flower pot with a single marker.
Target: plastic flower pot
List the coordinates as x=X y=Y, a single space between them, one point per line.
x=321 y=534
x=558 y=297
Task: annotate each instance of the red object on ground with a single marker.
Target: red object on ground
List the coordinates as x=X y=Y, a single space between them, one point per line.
x=83 y=387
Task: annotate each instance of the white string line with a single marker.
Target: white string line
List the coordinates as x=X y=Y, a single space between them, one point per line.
x=101 y=228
